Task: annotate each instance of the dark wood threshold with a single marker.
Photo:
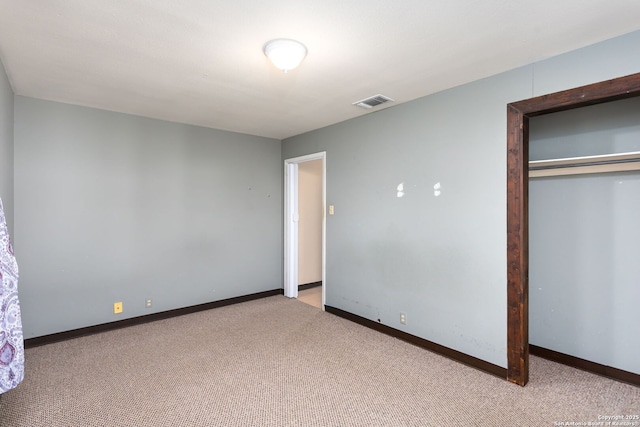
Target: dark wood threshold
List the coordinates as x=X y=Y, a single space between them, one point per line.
x=309 y=286
x=586 y=365
x=458 y=356
x=90 y=330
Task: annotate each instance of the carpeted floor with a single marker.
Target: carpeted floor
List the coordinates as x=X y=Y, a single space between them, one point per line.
x=280 y=362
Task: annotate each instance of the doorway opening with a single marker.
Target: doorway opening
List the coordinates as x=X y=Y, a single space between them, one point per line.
x=292 y=222
x=518 y=114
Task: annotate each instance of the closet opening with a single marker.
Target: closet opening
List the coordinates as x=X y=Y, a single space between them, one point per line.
x=518 y=115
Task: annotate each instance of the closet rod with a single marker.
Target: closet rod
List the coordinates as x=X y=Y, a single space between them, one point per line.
x=619 y=162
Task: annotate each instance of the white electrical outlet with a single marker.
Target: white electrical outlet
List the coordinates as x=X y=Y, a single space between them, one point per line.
x=403 y=318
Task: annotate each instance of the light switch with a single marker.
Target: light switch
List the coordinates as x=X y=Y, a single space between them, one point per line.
x=330 y=209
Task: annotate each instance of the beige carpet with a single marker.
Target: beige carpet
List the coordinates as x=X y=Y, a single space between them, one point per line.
x=280 y=362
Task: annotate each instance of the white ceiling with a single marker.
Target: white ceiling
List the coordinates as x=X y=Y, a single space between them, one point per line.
x=201 y=62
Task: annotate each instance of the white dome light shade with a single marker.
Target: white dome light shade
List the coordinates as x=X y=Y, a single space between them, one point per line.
x=285 y=54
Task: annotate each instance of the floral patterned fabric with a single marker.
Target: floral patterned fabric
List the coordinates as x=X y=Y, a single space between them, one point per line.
x=11 y=342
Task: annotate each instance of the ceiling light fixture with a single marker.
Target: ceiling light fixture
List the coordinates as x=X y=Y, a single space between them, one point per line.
x=285 y=54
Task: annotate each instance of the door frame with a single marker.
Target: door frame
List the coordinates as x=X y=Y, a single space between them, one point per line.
x=291 y=223
x=518 y=114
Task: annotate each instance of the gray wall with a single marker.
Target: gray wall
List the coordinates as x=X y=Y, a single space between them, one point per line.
x=613 y=127
x=584 y=233
x=439 y=259
x=112 y=207
x=6 y=147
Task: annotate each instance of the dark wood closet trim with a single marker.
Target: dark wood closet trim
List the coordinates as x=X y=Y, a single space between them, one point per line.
x=90 y=330
x=586 y=365
x=518 y=114
x=458 y=356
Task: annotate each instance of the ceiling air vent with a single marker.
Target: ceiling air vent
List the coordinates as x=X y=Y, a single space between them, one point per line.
x=372 y=101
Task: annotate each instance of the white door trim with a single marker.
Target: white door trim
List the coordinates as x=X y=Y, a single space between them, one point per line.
x=291 y=223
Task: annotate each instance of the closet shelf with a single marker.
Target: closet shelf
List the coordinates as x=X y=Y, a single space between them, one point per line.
x=618 y=162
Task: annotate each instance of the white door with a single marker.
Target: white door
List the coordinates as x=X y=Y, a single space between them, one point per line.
x=291 y=224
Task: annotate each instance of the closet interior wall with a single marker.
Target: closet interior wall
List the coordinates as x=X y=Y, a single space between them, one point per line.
x=583 y=238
